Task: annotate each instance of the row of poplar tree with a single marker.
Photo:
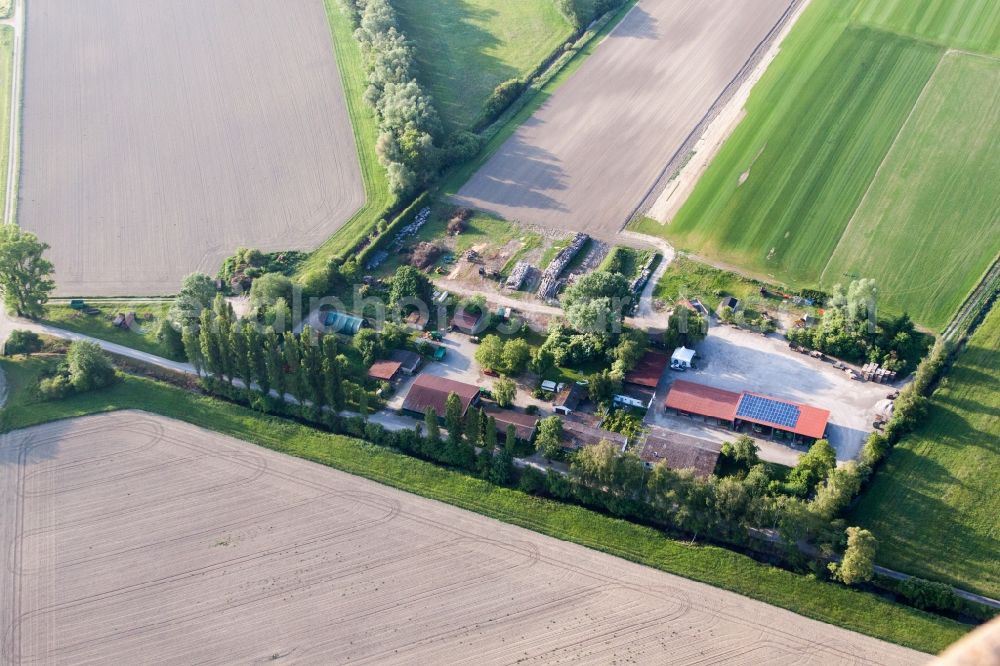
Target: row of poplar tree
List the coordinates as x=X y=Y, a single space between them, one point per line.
x=271 y=366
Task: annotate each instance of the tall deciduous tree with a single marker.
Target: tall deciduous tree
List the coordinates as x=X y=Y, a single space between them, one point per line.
x=332 y=375
x=812 y=467
x=257 y=357
x=858 y=564
x=409 y=283
x=549 y=437
x=208 y=340
x=490 y=433
x=89 y=367
x=489 y=355
x=274 y=359
x=432 y=427
x=197 y=293
x=453 y=419
x=510 y=436
x=504 y=391
x=25 y=275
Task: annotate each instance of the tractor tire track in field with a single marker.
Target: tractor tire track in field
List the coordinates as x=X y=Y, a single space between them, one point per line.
x=400 y=579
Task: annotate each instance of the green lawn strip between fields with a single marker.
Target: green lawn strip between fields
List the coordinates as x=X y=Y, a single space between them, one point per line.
x=6 y=76
x=827 y=602
x=464 y=48
x=377 y=196
x=934 y=506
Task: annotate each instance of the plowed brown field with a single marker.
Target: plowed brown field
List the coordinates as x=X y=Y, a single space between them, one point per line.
x=128 y=538
x=159 y=136
x=611 y=135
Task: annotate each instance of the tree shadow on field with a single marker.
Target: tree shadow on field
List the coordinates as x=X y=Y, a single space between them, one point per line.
x=918 y=529
x=640 y=24
x=453 y=55
x=519 y=176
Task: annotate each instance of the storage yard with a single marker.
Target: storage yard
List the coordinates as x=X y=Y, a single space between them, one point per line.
x=158 y=137
x=645 y=90
x=735 y=360
x=110 y=557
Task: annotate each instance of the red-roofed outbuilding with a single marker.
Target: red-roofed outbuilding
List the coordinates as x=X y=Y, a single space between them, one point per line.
x=708 y=401
x=648 y=370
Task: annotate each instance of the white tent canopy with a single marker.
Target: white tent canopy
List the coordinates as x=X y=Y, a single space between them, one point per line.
x=682 y=356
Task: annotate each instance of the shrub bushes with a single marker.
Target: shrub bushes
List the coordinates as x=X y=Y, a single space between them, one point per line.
x=936 y=597
x=85 y=368
x=850 y=331
x=22 y=342
x=582 y=12
x=502 y=97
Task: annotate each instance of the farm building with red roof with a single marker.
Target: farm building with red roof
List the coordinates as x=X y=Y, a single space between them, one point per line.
x=525 y=425
x=691 y=398
x=733 y=409
x=648 y=371
x=680 y=451
x=384 y=370
x=429 y=391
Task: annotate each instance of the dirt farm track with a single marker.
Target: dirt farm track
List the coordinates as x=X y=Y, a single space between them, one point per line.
x=159 y=136
x=593 y=151
x=128 y=537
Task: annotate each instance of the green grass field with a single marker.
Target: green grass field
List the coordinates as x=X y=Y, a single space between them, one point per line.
x=350 y=62
x=778 y=197
x=827 y=602
x=805 y=166
x=966 y=24
x=935 y=505
x=464 y=48
x=6 y=71
x=935 y=203
x=686 y=278
x=99 y=326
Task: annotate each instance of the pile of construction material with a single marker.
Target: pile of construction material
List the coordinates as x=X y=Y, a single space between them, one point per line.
x=872 y=373
x=458 y=220
x=515 y=280
x=412 y=228
x=550 y=277
x=640 y=280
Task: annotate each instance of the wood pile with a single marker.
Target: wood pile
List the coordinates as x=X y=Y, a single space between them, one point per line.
x=873 y=373
x=515 y=280
x=550 y=277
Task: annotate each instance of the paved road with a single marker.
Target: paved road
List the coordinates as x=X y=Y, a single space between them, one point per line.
x=9 y=323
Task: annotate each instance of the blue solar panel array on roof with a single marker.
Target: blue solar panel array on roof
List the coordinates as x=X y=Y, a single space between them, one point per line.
x=765 y=409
